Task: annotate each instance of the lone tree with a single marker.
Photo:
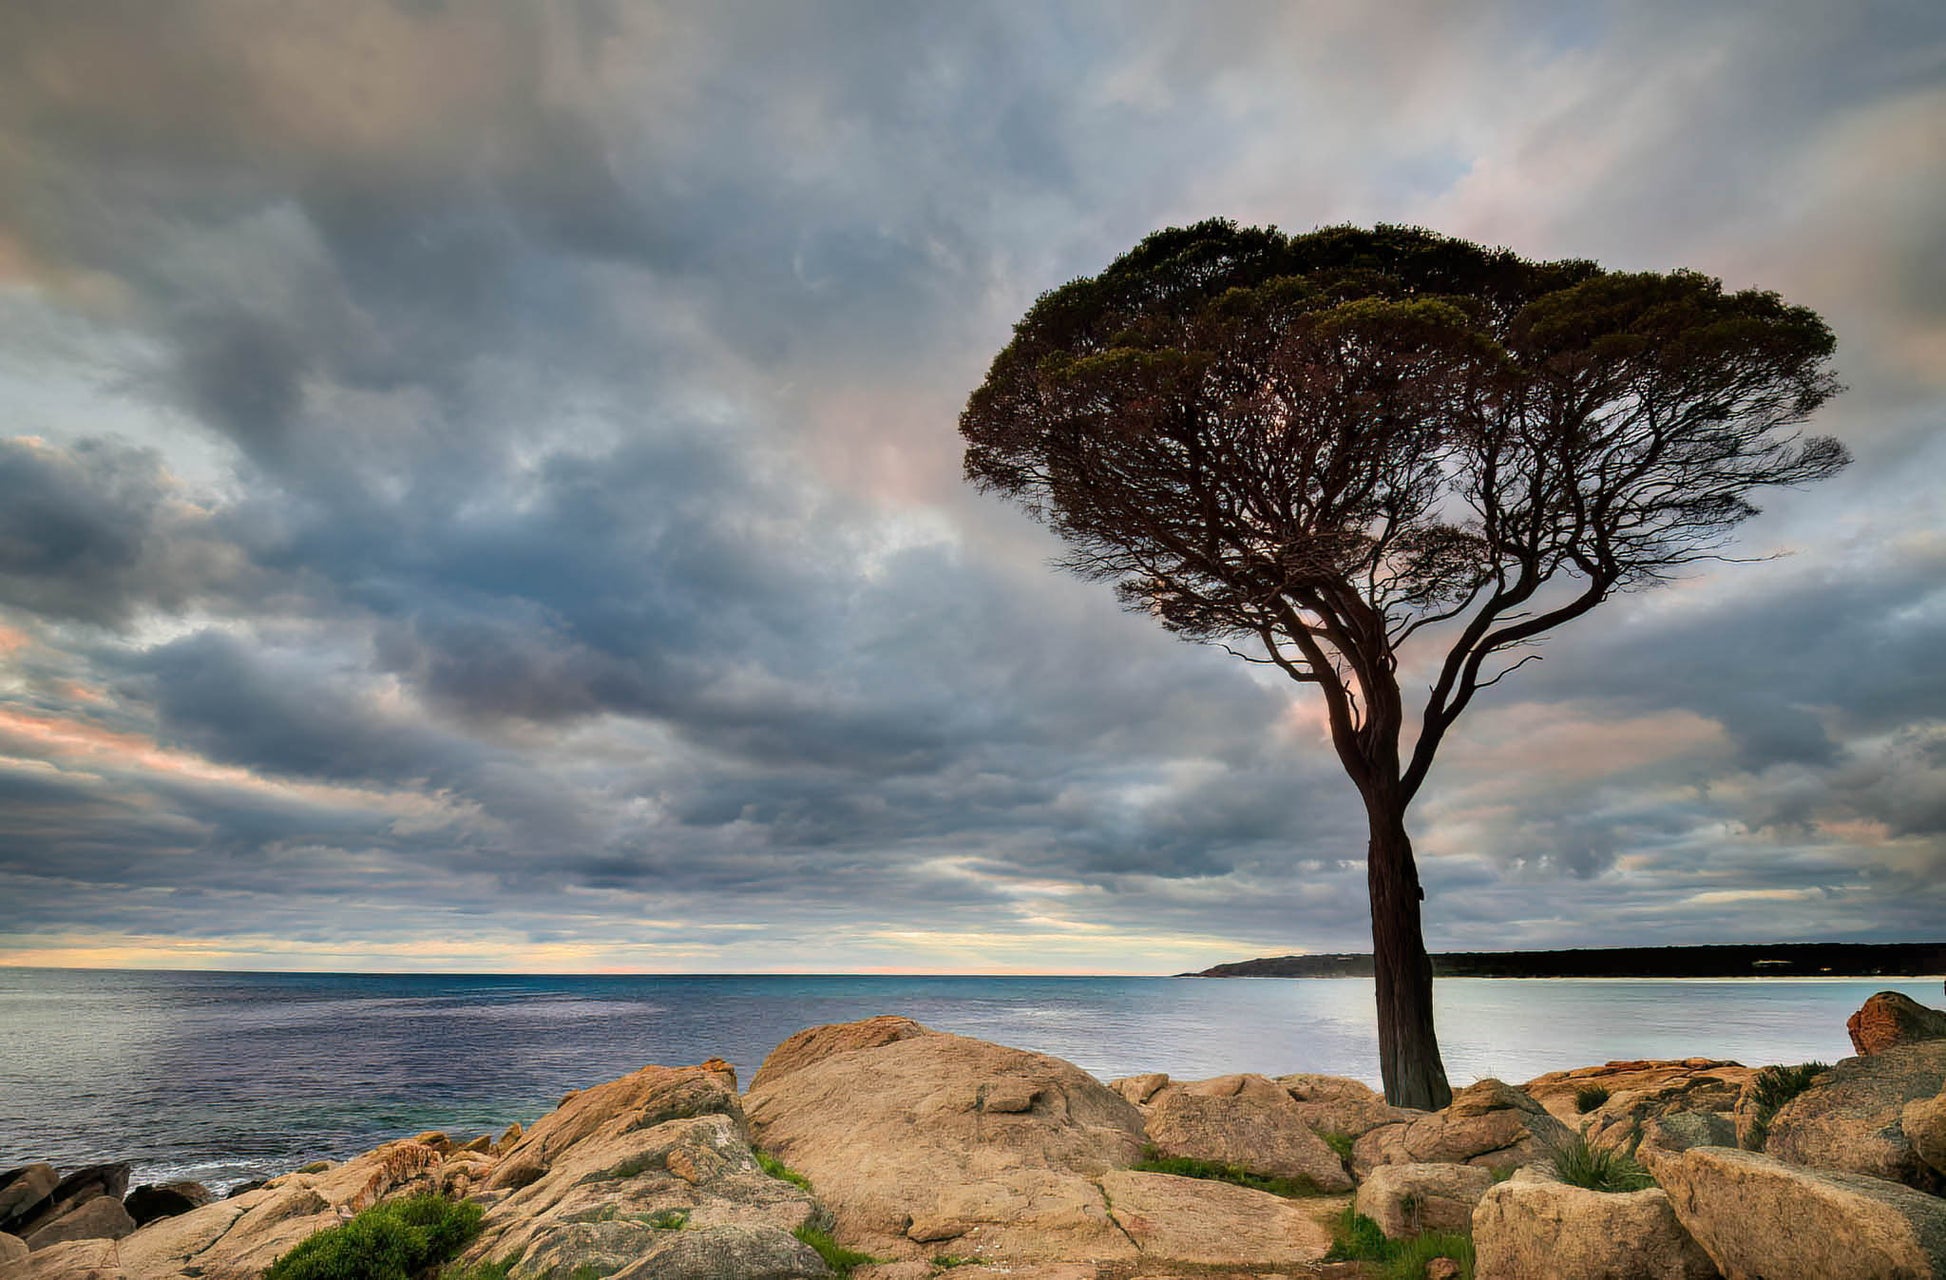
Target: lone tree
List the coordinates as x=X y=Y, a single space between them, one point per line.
x=1341 y=448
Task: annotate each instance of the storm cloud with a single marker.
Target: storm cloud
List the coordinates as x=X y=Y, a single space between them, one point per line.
x=480 y=488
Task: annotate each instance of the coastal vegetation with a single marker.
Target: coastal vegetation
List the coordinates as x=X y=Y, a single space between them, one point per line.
x=1357 y=1238
x=841 y=1260
x=393 y=1240
x=1772 y=1088
x=1589 y=1097
x=1324 y=452
x=1154 y=1161
x=1580 y=1164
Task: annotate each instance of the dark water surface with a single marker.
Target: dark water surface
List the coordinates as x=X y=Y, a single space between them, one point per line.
x=224 y=1076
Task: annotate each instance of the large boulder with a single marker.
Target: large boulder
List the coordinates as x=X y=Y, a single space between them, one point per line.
x=1204 y=1223
x=1924 y=1122
x=147 y=1203
x=21 y=1187
x=1489 y=1123
x=1639 y=1093
x=1891 y=1019
x=1852 y=1118
x=651 y=1174
x=1338 y=1104
x=1759 y=1218
x=1534 y=1227
x=11 y=1248
x=920 y=1142
x=64 y=1197
x=71 y=1260
x=96 y=1218
x=1407 y=1199
x=1243 y=1120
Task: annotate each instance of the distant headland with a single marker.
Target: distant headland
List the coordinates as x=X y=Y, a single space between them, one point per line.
x=1733 y=960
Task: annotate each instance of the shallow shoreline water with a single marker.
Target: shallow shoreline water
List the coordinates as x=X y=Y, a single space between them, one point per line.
x=223 y=1077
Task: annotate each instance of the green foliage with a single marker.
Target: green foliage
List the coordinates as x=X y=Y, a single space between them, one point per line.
x=1580 y=1165
x=1504 y=1172
x=1772 y=1088
x=778 y=1169
x=947 y=1261
x=669 y=1219
x=1588 y=1097
x=1409 y=1259
x=1339 y=1142
x=1184 y=1167
x=1356 y=1238
x=396 y=1240
x=840 y=1259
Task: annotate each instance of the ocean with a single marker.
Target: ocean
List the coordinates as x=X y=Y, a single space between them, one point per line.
x=223 y=1077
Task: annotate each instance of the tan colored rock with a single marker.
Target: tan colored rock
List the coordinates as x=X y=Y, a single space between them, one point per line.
x=1852 y=1117
x=1139 y=1089
x=1489 y=1123
x=1645 y=1091
x=231 y=1239
x=1407 y=1199
x=22 y=1187
x=1761 y=1218
x=1199 y=1222
x=1533 y=1227
x=1891 y=1019
x=70 y=1260
x=1244 y=1120
x=508 y=1136
x=11 y=1247
x=101 y=1218
x=1338 y=1104
x=649 y=1175
x=889 y=1122
x=1663 y=1137
x=1443 y=1269
x=1924 y=1122
x=818 y=1044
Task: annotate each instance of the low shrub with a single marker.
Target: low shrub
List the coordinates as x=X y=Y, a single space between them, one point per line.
x=1154 y=1161
x=1772 y=1088
x=1588 y=1097
x=1598 y=1169
x=1356 y=1238
x=396 y=1240
x=840 y=1259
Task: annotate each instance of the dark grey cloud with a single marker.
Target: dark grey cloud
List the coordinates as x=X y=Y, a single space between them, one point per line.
x=535 y=519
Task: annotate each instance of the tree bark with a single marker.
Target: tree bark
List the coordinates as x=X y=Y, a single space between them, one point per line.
x=1408 y=1048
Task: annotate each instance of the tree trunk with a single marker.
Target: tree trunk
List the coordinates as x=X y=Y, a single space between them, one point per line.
x=1408 y=1049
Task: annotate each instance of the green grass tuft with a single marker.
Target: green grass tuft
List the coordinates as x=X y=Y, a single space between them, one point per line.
x=1588 y=1097
x=840 y=1259
x=1356 y=1238
x=1580 y=1165
x=1772 y=1088
x=396 y=1240
x=1339 y=1142
x=477 y=1270
x=669 y=1219
x=1183 y=1167
x=947 y=1261
x=1409 y=1259
x=776 y=1168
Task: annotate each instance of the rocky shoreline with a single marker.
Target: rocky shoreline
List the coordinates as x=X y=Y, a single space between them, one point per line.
x=923 y=1153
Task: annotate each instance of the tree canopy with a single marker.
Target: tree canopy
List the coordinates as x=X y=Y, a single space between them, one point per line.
x=1327 y=443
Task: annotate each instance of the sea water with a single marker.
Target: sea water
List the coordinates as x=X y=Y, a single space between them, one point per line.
x=227 y=1076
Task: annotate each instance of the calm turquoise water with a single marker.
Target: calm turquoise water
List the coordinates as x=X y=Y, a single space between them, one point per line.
x=221 y=1077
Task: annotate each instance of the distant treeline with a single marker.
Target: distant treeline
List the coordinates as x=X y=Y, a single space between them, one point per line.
x=1784 y=959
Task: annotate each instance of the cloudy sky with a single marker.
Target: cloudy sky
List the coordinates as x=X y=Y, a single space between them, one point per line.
x=479 y=485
